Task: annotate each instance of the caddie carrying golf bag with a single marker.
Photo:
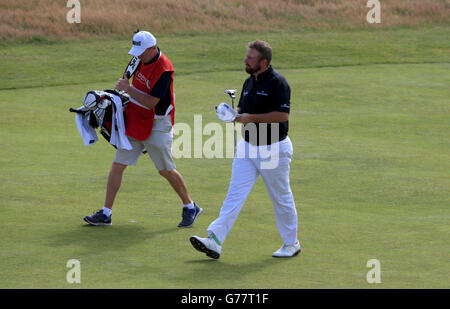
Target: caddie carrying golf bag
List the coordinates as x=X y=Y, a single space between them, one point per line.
x=98 y=109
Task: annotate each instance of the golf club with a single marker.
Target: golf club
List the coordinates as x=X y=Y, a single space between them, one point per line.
x=232 y=94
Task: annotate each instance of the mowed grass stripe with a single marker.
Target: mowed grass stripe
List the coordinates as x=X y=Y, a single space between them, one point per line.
x=92 y=61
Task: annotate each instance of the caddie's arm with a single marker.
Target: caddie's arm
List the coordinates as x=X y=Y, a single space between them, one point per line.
x=145 y=99
x=271 y=117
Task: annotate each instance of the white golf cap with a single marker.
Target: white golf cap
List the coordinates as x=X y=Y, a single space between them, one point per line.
x=141 y=41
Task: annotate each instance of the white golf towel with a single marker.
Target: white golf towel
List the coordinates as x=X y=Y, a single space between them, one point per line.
x=86 y=131
x=118 y=137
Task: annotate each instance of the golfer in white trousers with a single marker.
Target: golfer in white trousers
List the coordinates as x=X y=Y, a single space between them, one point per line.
x=265 y=150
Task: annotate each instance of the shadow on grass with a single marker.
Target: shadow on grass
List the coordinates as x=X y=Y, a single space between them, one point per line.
x=209 y=272
x=106 y=238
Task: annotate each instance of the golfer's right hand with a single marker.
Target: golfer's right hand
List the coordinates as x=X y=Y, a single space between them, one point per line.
x=244 y=118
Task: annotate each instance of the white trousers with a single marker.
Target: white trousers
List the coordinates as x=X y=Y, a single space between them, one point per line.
x=272 y=163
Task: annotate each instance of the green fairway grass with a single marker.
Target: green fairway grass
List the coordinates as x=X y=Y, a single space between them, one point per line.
x=370 y=174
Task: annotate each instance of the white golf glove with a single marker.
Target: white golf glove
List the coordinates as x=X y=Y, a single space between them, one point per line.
x=226 y=113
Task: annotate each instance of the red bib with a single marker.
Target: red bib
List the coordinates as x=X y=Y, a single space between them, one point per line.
x=139 y=120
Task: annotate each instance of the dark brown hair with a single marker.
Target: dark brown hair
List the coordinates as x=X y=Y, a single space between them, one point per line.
x=264 y=49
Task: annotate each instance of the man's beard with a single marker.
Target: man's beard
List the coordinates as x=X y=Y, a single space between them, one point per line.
x=251 y=70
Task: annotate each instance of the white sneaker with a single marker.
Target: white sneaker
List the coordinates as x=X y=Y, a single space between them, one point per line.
x=206 y=245
x=288 y=251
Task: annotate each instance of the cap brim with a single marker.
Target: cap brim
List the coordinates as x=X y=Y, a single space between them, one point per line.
x=136 y=51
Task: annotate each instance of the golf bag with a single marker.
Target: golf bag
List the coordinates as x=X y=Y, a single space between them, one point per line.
x=98 y=109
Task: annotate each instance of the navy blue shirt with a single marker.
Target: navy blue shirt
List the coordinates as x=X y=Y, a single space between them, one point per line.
x=161 y=90
x=269 y=93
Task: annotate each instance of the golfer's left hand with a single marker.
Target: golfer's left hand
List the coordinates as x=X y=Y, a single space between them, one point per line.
x=122 y=84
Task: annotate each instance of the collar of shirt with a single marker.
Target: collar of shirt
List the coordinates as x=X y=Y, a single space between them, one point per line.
x=155 y=58
x=264 y=74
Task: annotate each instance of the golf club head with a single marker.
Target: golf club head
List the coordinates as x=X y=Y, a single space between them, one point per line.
x=231 y=93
